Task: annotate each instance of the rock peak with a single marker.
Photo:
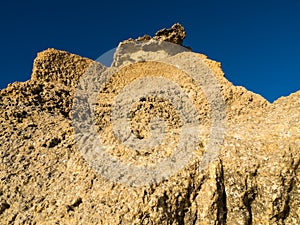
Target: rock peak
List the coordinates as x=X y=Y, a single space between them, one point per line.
x=176 y=34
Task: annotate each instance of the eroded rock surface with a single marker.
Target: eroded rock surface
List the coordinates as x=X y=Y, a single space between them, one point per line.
x=44 y=179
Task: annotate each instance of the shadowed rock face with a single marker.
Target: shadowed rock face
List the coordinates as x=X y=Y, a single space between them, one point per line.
x=44 y=179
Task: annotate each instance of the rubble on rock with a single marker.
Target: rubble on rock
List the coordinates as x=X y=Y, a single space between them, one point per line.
x=255 y=178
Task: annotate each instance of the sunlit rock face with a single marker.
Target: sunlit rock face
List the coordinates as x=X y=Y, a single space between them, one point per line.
x=249 y=174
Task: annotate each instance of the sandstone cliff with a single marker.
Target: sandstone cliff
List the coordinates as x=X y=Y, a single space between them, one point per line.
x=253 y=179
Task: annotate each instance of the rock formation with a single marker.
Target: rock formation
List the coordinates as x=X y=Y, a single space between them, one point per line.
x=176 y=34
x=253 y=179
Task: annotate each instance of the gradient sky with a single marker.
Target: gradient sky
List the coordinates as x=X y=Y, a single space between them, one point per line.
x=257 y=42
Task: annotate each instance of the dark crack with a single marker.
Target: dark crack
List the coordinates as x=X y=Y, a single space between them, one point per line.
x=222 y=209
x=74 y=205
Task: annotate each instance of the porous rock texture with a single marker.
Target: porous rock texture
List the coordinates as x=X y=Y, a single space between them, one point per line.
x=44 y=179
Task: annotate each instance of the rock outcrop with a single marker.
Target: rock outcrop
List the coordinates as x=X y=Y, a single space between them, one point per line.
x=253 y=179
x=176 y=34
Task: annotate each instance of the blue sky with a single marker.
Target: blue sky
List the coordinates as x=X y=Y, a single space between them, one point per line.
x=257 y=42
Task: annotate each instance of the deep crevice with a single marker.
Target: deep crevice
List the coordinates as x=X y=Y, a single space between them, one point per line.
x=222 y=200
x=248 y=198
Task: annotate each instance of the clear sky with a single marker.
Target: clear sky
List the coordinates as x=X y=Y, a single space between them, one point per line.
x=257 y=42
